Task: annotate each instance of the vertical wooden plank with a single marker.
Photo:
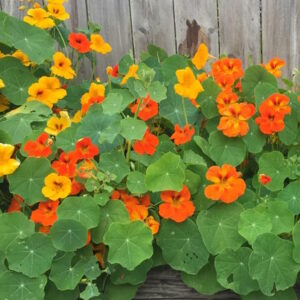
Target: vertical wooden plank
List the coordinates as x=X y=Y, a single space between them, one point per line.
x=114 y=18
x=12 y=7
x=153 y=22
x=196 y=22
x=239 y=27
x=280 y=32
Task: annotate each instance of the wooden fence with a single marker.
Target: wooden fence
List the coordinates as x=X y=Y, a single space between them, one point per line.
x=248 y=29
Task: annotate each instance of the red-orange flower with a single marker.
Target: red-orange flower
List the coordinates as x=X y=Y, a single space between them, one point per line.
x=45 y=214
x=76 y=188
x=234 y=119
x=147 y=109
x=152 y=224
x=66 y=165
x=227 y=185
x=80 y=42
x=264 y=179
x=231 y=67
x=40 y=147
x=182 y=135
x=15 y=204
x=177 y=206
x=147 y=145
x=113 y=71
x=86 y=169
x=85 y=148
x=278 y=103
x=225 y=98
x=274 y=66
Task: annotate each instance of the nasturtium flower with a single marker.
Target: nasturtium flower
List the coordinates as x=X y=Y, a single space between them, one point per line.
x=57 y=1
x=45 y=214
x=86 y=169
x=227 y=185
x=234 y=118
x=100 y=251
x=77 y=117
x=39 y=17
x=56 y=187
x=274 y=66
x=57 y=11
x=130 y=74
x=182 y=135
x=152 y=224
x=40 y=147
x=56 y=125
x=113 y=71
x=85 y=149
x=225 y=82
x=188 y=86
x=225 y=98
x=62 y=66
x=80 y=42
x=279 y=103
x=18 y=54
x=77 y=187
x=148 y=108
x=95 y=95
x=66 y=164
x=201 y=77
x=200 y=58
x=4 y=103
x=8 y=165
x=264 y=179
x=99 y=45
x=15 y=204
x=147 y=145
x=2 y=85
x=176 y=206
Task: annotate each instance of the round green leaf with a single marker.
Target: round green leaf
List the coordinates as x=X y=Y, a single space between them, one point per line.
x=51 y=292
x=291 y=195
x=274 y=165
x=232 y=271
x=192 y=181
x=129 y=243
x=136 y=183
x=112 y=104
x=32 y=256
x=289 y=134
x=171 y=64
x=28 y=180
x=68 y=235
x=224 y=150
x=254 y=222
x=262 y=91
x=133 y=129
x=280 y=295
x=271 y=263
x=182 y=246
x=13 y=227
x=296 y=240
x=90 y=292
x=167 y=173
x=81 y=209
x=219 y=227
x=66 y=140
x=157 y=91
x=119 y=292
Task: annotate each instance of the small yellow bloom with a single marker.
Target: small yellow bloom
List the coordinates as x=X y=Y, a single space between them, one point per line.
x=200 y=58
x=99 y=45
x=22 y=57
x=62 y=66
x=131 y=73
x=7 y=164
x=98 y=79
x=56 y=187
x=58 y=11
x=95 y=91
x=56 y=1
x=39 y=17
x=55 y=125
x=22 y=7
x=4 y=103
x=188 y=86
x=2 y=85
x=201 y=77
x=109 y=70
x=77 y=117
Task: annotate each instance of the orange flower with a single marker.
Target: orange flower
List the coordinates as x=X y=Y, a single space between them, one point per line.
x=188 y=86
x=227 y=185
x=228 y=67
x=62 y=66
x=77 y=187
x=182 y=135
x=85 y=149
x=39 y=17
x=99 y=45
x=147 y=145
x=113 y=71
x=278 y=103
x=200 y=58
x=56 y=187
x=45 y=229
x=264 y=179
x=130 y=74
x=99 y=252
x=80 y=42
x=22 y=57
x=177 y=206
x=8 y=165
x=234 y=119
x=225 y=82
x=86 y=169
x=45 y=214
x=66 y=165
x=95 y=94
x=224 y=99
x=201 y=77
x=152 y=224
x=274 y=66
x=147 y=109
x=15 y=204
x=40 y=147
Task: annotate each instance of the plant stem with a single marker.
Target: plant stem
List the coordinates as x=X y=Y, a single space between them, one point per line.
x=184 y=111
x=63 y=40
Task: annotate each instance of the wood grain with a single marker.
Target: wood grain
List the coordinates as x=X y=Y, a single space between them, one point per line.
x=239 y=27
x=152 y=22
x=12 y=7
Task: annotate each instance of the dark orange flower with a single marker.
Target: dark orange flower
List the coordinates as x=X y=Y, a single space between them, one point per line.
x=76 y=188
x=99 y=252
x=40 y=147
x=45 y=229
x=45 y=214
x=225 y=82
x=147 y=109
x=89 y=237
x=274 y=66
x=15 y=204
x=114 y=71
x=182 y=135
x=264 y=179
x=238 y=86
x=85 y=148
x=66 y=165
x=227 y=185
x=147 y=145
x=234 y=119
x=79 y=42
x=230 y=67
x=225 y=98
x=152 y=224
x=177 y=206
x=278 y=103
x=86 y=169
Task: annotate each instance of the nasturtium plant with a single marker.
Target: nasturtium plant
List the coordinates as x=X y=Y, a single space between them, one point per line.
x=188 y=161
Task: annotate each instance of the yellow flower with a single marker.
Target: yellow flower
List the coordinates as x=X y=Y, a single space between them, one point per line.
x=201 y=77
x=77 y=117
x=95 y=91
x=58 y=11
x=131 y=73
x=22 y=57
x=2 y=54
x=7 y=164
x=2 y=85
x=109 y=70
x=56 y=187
x=4 y=103
x=200 y=58
x=55 y=125
x=56 y=1
x=99 y=45
x=188 y=86
x=39 y=17
x=62 y=66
